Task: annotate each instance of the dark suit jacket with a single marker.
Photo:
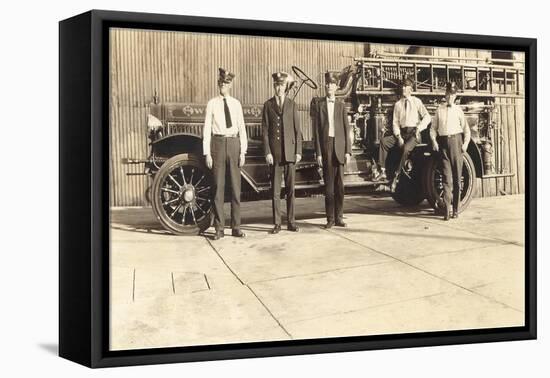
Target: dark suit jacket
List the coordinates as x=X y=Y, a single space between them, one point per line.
x=281 y=130
x=342 y=142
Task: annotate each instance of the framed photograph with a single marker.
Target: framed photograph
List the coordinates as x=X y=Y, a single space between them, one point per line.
x=236 y=188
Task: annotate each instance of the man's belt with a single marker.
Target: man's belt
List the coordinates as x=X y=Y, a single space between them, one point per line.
x=226 y=135
x=449 y=136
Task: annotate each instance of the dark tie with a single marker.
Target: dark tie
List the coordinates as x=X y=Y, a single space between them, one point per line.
x=228 y=123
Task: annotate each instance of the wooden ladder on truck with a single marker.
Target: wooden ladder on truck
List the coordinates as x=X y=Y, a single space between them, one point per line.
x=475 y=77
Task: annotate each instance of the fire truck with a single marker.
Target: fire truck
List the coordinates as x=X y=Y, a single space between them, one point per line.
x=181 y=185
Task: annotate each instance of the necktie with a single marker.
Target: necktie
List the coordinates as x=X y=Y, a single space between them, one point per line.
x=407 y=109
x=228 y=123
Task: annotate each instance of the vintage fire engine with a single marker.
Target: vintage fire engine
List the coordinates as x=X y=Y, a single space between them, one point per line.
x=180 y=191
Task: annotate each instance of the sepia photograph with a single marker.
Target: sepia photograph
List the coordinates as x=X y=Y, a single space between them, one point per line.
x=267 y=189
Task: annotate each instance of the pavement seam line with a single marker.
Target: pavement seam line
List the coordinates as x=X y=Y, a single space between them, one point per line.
x=429 y=273
x=134 y=286
x=269 y=311
x=223 y=260
x=320 y=272
x=435 y=254
x=173 y=284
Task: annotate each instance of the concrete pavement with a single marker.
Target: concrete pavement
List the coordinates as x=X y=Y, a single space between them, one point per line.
x=392 y=270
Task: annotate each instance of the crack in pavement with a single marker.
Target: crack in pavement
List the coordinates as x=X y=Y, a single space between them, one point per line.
x=223 y=260
x=269 y=311
x=320 y=272
x=249 y=288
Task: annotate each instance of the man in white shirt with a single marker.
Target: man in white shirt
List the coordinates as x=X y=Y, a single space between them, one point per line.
x=410 y=117
x=450 y=136
x=224 y=145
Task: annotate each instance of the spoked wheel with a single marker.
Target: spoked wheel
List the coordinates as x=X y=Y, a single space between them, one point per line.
x=182 y=195
x=433 y=183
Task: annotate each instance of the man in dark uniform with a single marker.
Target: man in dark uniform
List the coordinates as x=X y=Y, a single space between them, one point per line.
x=224 y=146
x=333 y=147
x=410 y=117
x=283 y=146
x=450 y=136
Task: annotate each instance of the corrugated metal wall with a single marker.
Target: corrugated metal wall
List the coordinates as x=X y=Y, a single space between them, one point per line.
x=182 y=67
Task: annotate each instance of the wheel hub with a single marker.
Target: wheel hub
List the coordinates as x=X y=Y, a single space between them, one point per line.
x=188 y=194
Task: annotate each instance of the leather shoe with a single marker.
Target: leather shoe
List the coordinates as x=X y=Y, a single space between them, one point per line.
x=238 y=233
x=329 y=224
x=276 y=229
x=218 y=235
x=341 y=223
x=293 y=227
x=455 y=214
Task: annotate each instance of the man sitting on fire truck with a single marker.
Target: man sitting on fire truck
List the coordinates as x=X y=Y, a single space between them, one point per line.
x=410 y=117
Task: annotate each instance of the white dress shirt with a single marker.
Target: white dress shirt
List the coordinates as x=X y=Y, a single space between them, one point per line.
x=280 y=101
x=410 y=112
x=330 y=112
x=449 y=120
x=214 y=123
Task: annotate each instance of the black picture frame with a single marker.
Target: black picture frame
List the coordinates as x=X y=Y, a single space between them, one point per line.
x=84 y=196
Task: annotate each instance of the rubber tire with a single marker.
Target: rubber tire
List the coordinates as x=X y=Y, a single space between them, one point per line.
x=431 y=191
x=409 y=191
x=190 y=160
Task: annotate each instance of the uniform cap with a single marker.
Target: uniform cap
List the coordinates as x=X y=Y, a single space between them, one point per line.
x=451 y=88
x=332 y=77
x=225 y=76
x=406 y=82
x=281 y=77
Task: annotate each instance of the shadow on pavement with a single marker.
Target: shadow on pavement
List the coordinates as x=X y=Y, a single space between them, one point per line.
x=259 y=213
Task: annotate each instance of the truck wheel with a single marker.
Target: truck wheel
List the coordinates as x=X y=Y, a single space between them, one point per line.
x=409 y=191
x=433 y=182
x=182 y=195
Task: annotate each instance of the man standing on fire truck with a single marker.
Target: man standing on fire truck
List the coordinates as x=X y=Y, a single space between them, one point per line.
x=450 y=136
x=224 y=146
x=410 y=117
x=282 y=137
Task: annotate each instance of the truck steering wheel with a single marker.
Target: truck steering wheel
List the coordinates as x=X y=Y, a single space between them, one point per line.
x=304 y=78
